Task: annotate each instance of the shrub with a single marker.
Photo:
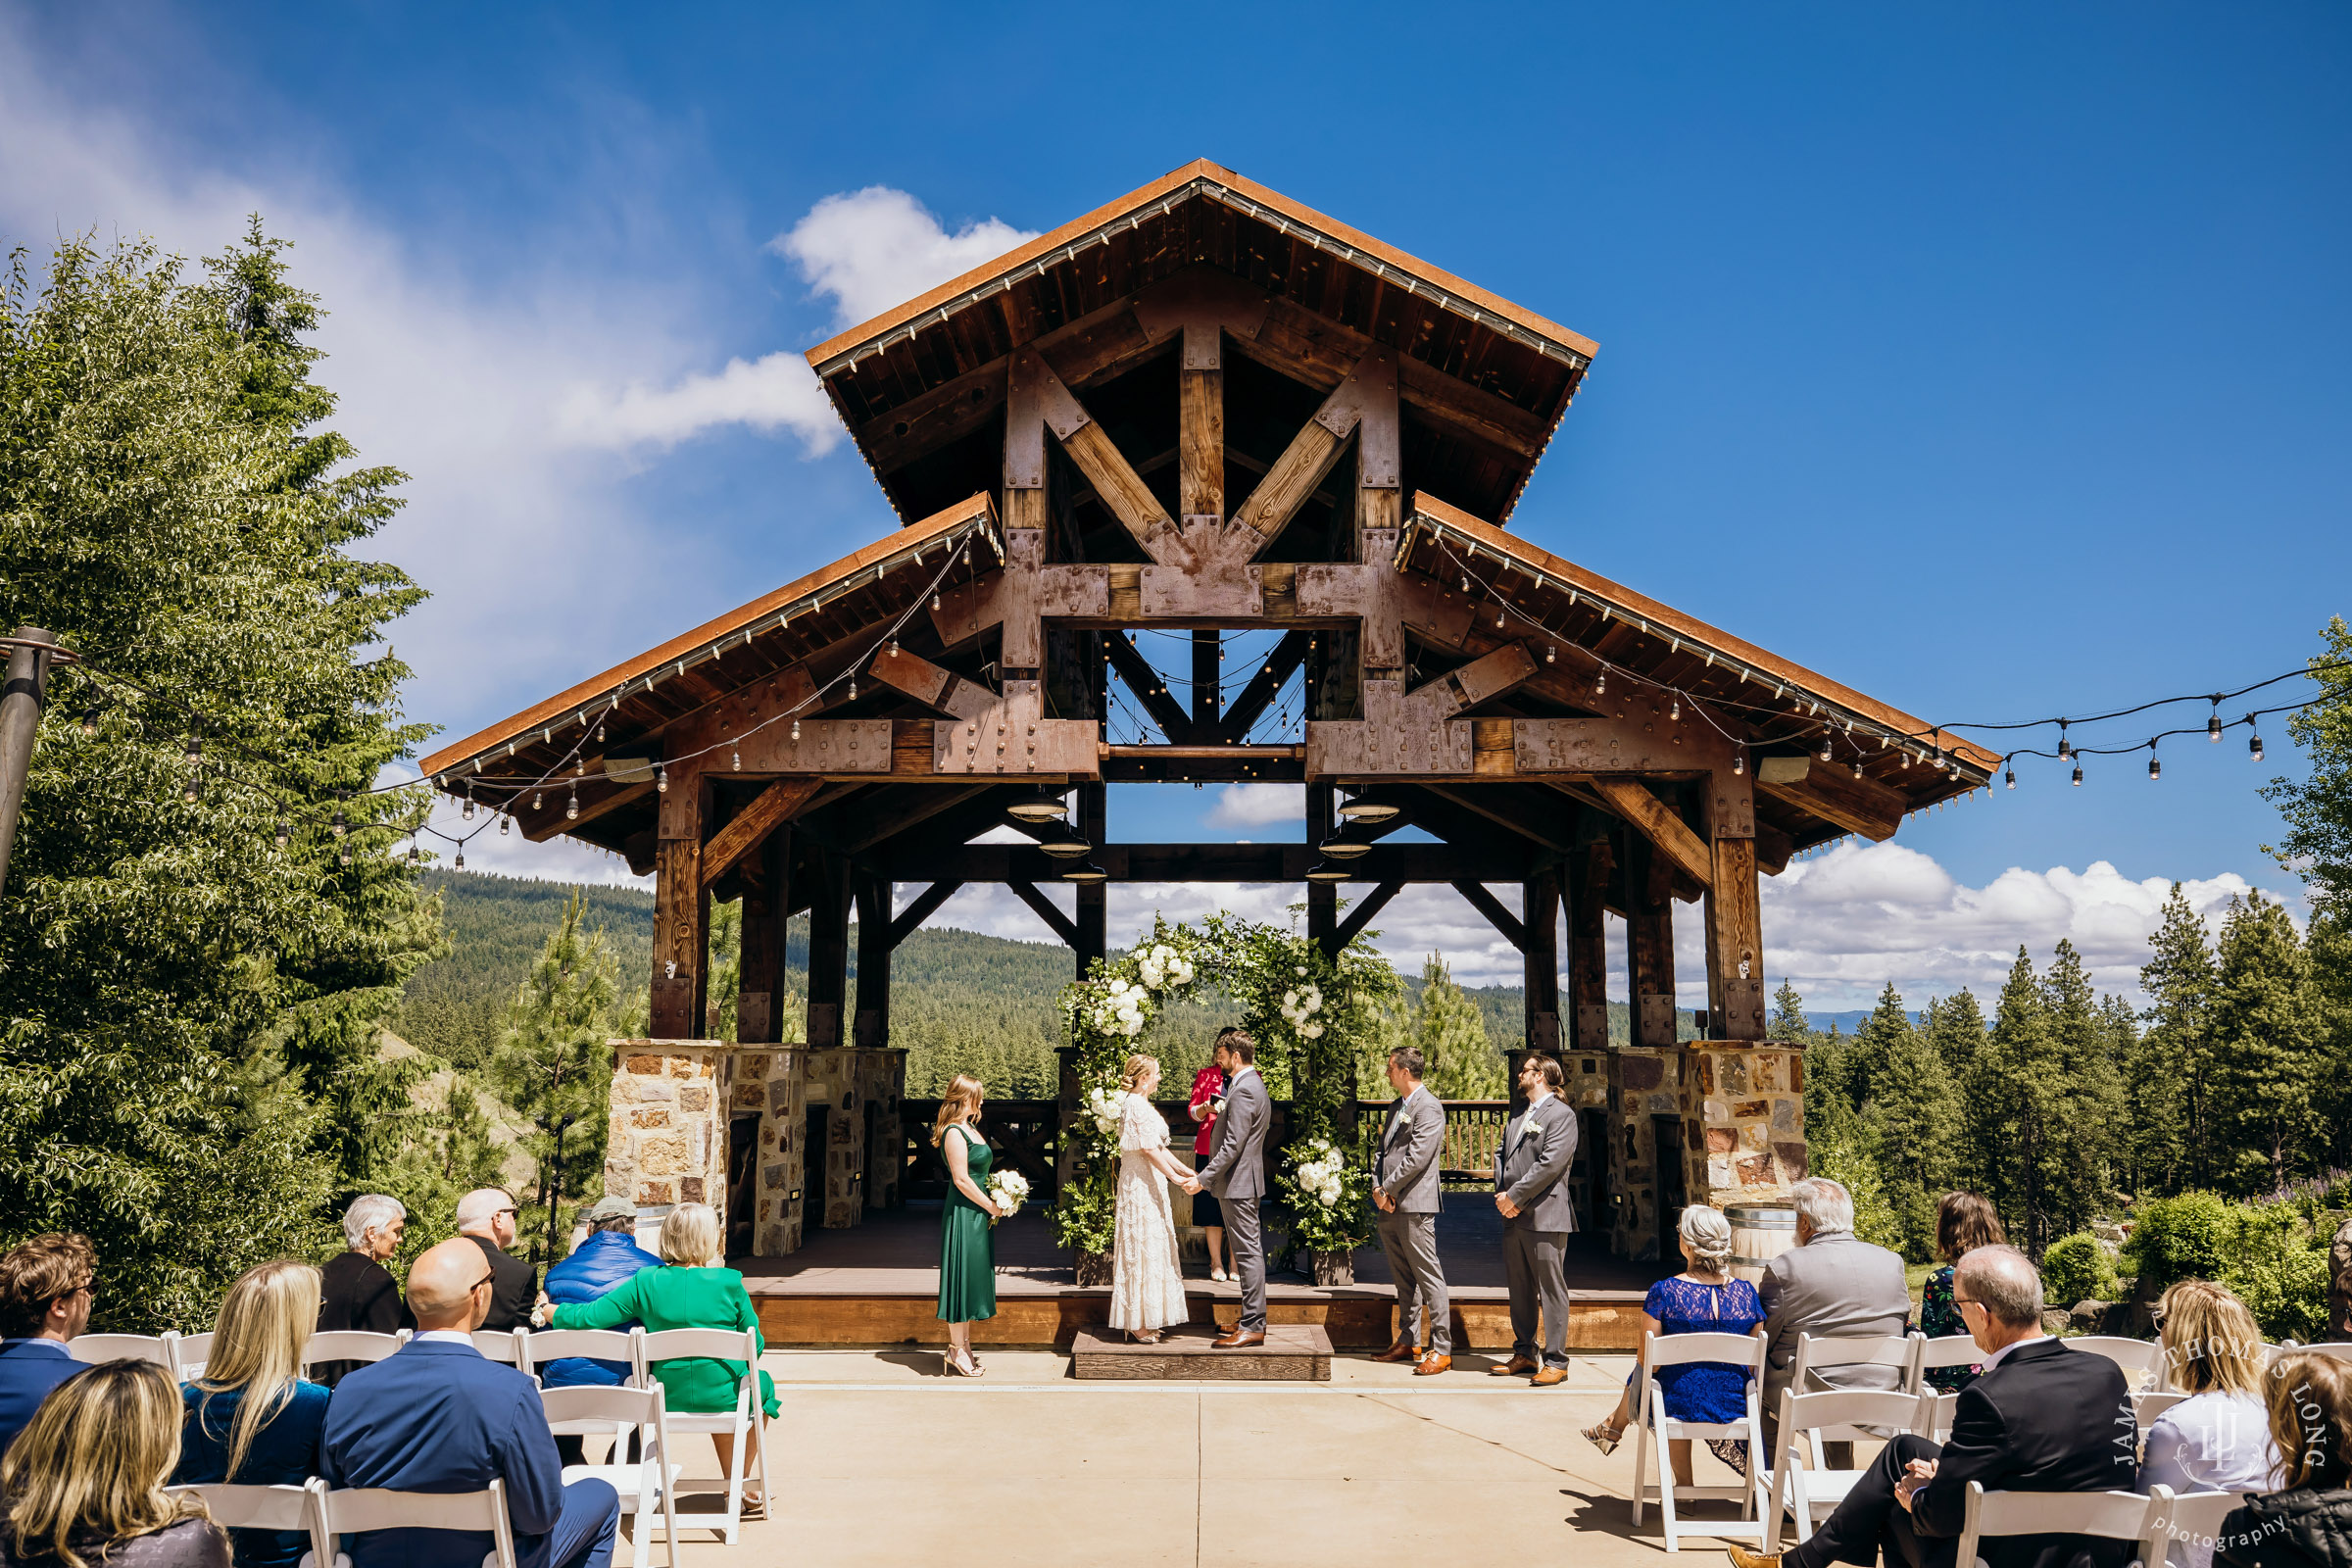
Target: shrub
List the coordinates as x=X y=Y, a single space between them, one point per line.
x=2265 y=1252
x=2285 y=1290
x=2077 y=1268
x=2183 y=1237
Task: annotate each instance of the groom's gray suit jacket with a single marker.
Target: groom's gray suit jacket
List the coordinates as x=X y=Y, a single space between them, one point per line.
x=1236 y=1162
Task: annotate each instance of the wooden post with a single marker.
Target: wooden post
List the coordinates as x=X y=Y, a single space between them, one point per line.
x=679 y=996
x=1649 y=945
x=1201 y=427
x=766 y=901
x=1322 y=898
x=1540 y=915
x=20 y=702
x=1587 y=948
x=1093 y=922
x=1207 y=668
x=828 y=947
x=873 y=1031
x=1734 y=945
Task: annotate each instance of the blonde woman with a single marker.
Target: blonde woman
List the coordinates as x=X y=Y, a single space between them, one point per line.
x=1146 y=1282
x=250 y=1418
x=84 y=1483
x=967 y=1238
x=1701 y=1299
x=691 y=1289
x=2219 y=1438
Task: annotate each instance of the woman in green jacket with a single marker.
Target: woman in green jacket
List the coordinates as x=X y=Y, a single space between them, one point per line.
x=692 y=1292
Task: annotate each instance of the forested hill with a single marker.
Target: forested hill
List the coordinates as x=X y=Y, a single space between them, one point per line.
x=959 y=1001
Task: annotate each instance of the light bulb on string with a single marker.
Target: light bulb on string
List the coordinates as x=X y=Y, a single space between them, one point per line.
x=894 y=646
x=460 y=864
x=571 y=808
x=504 y=823
x=343 y=855
x=2213 y=723
x=796 y=729
x=2066 y=747
x=538 y=801
x=195 y=752
x=1498 y=618
x=660 y=779
x=339 y=827
x=2078 y=772
x=282 y=834
x=935 y=603
x=1676 y=714
x=1739 y=761
x=853 y=688
x=90 y=720
x=189 y=792
x=1858 y=768
x=735 y=757
x=2009 y=776
x=467 y=812
x=2253 y=744
x=1600 y=683
x=1551 y=654
x=1825 y=748
x=2155 y=762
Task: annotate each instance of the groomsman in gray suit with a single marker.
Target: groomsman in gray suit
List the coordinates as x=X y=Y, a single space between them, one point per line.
x=1405 y=1190
x=1539 y=1211
x=1237 y=1173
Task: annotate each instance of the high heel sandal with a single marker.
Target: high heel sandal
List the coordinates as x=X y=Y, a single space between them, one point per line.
x=967 y=1367
x=1142 y=1336
x=1601 y=1438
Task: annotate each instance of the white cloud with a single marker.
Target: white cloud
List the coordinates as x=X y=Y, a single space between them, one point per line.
x=777 y=392
x=876 y=247
x=1257 y=804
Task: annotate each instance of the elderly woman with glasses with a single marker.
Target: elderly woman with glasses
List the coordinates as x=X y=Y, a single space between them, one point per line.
x=355 y=1289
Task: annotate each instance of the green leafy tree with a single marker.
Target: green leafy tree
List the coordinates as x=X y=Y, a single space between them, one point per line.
x=554 y=1067
x=1955 y=1027
x=2013 y=1102
x=2265 y=1046
x=1829 y=1115
x=1461 y=1062
x=2172 y=1067
x=2317 y=809
x=1866 y=1060
x=1912 y=1131
x=2087 y=1128
x=726 y=986
x=189 y=1016
x=1789 y=1021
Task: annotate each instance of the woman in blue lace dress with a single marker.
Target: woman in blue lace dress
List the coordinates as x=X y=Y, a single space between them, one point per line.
x=1964 y=1222
x=1701 y=1300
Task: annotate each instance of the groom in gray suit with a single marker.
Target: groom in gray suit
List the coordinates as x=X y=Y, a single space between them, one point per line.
x=1406 y=1192
x=1539 y=1211
x=1236 y=1173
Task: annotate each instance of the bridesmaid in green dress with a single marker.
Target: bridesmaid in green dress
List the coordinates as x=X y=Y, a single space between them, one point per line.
x=967 y=1238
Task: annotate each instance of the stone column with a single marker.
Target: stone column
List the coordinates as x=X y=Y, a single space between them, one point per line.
x=667 y=1141
x=1642 y=1084
x=833 y=1081
x=1744 y=1121
x=774 y=1083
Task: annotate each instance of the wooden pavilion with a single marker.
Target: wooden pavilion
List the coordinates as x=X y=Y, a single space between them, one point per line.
x=1205 y=410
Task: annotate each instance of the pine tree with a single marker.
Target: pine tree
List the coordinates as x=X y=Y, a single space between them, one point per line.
x=2086 y=1131
x=1789 y=1021
x=2013 y=1102
x=2267 y=1067
x=2317 y=844
x=1830 y=1116
x=1866 y=1060
x=2171 y=1070
x=1461 y=1062
x=554 y=1066
x=1912 y=1129
x=189 y=1019
x=725 y=987
x=1955 y=1027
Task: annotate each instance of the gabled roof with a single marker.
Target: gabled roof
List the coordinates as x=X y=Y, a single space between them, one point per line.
x=918 y=385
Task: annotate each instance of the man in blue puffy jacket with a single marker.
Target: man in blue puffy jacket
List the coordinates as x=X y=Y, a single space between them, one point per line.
x=602 y=1261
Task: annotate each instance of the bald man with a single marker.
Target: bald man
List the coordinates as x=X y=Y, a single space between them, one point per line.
x=486 y=1217
x=440 y=1417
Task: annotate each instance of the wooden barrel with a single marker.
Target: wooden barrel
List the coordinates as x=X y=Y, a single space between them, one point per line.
x=1759 y=1234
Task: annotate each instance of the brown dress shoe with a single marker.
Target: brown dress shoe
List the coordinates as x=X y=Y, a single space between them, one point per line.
x=1742 y=1557
x=1432 y=1365
x=1236 y=1340
x=1548 y=1377
x=1402 y=1350
x=1518 y=1366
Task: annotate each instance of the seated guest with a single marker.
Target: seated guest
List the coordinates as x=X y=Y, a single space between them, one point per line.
x=2307 y=1522
x=46 y=1289
x=356 y=1290
x=2219 y=1438
x=2039 y=1417
x=84 y=1483
x=691 y=1291
x=1964 y=1222
x=1698 y=1300
x=251 y=1419
x=441 y=1417
x=604 y=1259
x=1831 y=1286
x=486 y=1217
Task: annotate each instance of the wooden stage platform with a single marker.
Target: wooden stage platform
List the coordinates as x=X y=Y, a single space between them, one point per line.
x=878 y=1283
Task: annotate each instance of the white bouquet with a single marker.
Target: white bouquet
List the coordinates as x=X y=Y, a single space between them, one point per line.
x=1162 y=966
x=1105 y=1107
x=1118 y=1010
x=1318 y=1171
x=1300 y=1008
x=1006 y=1189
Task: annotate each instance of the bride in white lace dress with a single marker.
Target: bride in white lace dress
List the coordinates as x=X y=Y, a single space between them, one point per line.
x=1146 y=1284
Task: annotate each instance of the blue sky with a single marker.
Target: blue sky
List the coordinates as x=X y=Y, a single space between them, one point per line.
x=1986 y=359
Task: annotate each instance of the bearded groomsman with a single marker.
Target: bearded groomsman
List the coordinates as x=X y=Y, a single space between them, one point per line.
x=1405 y=1190
x=1539 y=1211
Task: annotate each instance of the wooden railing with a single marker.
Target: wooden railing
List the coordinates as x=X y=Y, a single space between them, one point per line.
x=1473 y=1132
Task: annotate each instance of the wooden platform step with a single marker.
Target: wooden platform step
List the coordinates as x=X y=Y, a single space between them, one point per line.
x=1294 y=1352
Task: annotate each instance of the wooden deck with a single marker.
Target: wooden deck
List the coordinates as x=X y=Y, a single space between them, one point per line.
x=878 y=1283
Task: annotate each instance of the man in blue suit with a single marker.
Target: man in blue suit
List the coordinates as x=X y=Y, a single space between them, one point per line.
x=440 y=1417
x=47 y=1288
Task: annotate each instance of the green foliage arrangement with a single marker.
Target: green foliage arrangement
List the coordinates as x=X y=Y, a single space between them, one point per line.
x=2077 y=1268
x=2269 y=1252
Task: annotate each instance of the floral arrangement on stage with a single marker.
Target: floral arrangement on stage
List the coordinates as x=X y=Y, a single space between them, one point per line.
x=1008 y=1190
x=1330 y=1194
x=1311 y=1012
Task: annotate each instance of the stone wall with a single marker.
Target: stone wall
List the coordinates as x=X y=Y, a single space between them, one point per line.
x=881 y=1080
x=1744 y=1121
x=667 y=1140
x=1644 y=1083
x=772 y=1080
x=836 y=1081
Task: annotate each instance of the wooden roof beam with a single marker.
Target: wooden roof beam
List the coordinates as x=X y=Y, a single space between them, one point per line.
x=1857 y=805
x=1650 y=816
x=1360 y=916
x=777 y=803
x=1513 y=929
x=1369 y=387
x=1037 y=401
x=926 y=904
x=1060 y=924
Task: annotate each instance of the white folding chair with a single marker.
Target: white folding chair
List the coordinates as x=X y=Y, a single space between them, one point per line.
x=351 y=1345
x=2142 y=1360
x=96 y=1347
x=595 y=1345
x=602 y=1409
x=302 y=1508
x=503 y=1346
x=1897 y=1353
x=742 y=1422
x=1653 y=1428
x=1936 y=1412
x=2180 y=1522
x=189 y=1353
x=2339 y=1349
x=1800 y=1480
x=357 y=1510
x=2149 y=1404
x=1944 y=1351
x=2110 y=1515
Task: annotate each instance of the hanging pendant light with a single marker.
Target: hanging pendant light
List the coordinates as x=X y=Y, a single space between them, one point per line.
x=1325 y=872
x=1042 y=807
x=1369 y=813
x=1087 y=875
x=1338 y=846
x=1066 y=845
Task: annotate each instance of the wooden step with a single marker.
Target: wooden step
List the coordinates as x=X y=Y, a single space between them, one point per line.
x=1294 y=1352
